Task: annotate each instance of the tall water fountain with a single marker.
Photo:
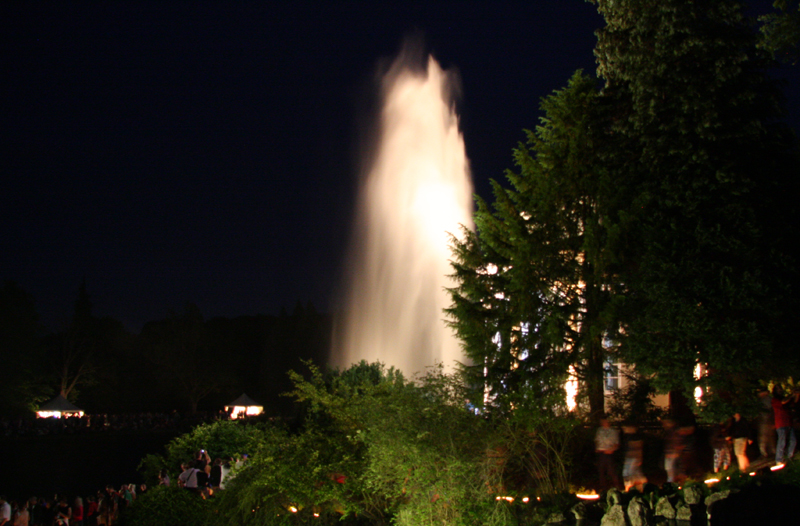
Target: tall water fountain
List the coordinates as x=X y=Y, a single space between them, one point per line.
x=415 y=189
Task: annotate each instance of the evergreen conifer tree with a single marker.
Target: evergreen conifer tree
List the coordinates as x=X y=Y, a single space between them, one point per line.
x=533 y=298
x=693 y=141
x=653 y=220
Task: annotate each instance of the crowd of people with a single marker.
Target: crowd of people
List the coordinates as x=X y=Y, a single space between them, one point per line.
x=199 y=475
x=773 y=430
x=202 y=476
x=100 y=509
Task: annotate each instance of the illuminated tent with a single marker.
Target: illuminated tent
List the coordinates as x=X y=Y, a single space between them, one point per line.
x=57 y=407
x=244 y=406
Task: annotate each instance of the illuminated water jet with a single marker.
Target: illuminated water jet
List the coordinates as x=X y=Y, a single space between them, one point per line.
x=415 y=190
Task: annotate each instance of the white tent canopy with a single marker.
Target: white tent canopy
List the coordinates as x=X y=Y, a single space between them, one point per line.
x=244 y=406
x=58 y=407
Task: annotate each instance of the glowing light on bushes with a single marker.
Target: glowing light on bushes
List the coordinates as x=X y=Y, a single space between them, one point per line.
x=571 y=387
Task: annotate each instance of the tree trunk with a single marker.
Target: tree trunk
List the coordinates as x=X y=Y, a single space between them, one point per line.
x=594 y=378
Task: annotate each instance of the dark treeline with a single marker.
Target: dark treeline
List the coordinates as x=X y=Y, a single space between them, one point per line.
x=181 y=363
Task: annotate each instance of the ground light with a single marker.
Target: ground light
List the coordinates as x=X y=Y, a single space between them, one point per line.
x=588 y=496
x=711 y=481
x=776 y=467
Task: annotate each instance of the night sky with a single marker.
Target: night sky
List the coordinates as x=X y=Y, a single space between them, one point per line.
x=168 y=152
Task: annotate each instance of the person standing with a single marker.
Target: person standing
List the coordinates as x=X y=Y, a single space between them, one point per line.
x=5 y=511
x=740 y=433
x=672 y=449
x=22 y=516
x=41 y=514
x=109 y=508
x=63 y=512
x=215 y=477
x=163 y=478
x=787 y=441
x=77 y=512
x=606 y=442
x=226 y=470
x=90 y=513
x=766 y=425
x=634 y=446
x=721 y=446
x=104 y=508
x=188 y=478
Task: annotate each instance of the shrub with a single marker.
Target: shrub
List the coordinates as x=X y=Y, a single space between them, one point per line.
x=224 y=439
x=168 y=506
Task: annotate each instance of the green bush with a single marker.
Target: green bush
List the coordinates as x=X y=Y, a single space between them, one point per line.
x=224 y=439
x=374 y=448
x=168 y=506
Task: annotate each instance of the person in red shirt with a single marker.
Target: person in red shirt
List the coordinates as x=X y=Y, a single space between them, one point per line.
x=77 y=513
x=90 y=513
x=783 y=424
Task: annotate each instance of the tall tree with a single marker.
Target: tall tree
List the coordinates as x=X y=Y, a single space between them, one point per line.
x=652 y=220
x=534 y=297
x=693 y=143
x=180 y=348
x=73 y=350
x=780 y=31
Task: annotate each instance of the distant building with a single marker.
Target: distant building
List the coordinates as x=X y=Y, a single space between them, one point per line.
x=617 y=377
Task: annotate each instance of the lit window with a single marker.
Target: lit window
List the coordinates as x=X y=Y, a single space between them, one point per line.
x=612 y=376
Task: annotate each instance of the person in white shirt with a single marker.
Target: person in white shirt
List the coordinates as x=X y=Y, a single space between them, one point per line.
x=5 y=511
x=188 y=479
x=606 y=442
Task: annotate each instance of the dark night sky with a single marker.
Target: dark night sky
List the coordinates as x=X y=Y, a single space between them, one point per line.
x=206 y=151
